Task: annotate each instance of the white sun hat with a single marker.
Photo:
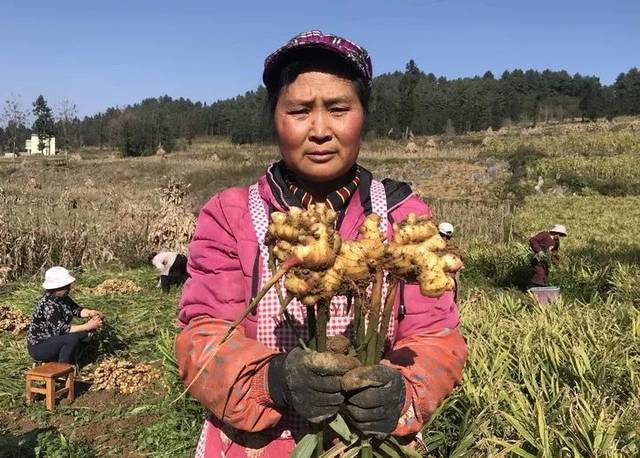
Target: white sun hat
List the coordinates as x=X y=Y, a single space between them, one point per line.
x=57 y=277
x=445 y=228
x=559 y=229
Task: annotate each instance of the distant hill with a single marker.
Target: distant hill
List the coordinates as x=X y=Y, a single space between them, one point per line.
x=401 y=102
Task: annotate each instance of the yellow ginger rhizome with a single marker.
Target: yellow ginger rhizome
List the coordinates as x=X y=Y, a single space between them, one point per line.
x=328 y=266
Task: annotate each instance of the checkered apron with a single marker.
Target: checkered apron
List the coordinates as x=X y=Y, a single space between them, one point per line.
x=272 y=330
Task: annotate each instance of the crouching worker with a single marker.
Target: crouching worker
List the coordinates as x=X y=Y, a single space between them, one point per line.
x=172 y=268
x=446 y=232
x=261 y=388
x=51 y=336
x=545 y=246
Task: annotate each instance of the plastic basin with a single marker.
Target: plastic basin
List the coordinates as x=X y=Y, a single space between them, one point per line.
x=545 y=294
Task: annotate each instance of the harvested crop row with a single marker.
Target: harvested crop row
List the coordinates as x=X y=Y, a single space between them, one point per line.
x=114 y=286
x=123 y=376
x=13 y=321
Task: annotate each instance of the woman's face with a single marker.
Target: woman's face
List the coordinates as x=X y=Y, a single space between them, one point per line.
x=61 y=292
x=318 y=120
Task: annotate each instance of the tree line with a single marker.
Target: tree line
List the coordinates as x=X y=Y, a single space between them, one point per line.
x=401 y=102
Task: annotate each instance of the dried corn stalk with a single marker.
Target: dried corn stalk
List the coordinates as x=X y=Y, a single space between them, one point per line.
x=175 y=225
x=4 y=273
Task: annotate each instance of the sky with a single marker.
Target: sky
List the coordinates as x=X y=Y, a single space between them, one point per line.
x=117 y=52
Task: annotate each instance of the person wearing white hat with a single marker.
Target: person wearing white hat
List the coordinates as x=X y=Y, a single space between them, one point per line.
x=51 y=336
x=445 y=230
x=545 y=246
x=172 y=268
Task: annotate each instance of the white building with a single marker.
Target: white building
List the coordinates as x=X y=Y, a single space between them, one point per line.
x=31 y=146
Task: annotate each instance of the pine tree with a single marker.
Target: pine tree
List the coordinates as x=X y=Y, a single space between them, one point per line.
x=627 y=92
x=43 y=124
x=592 y=102
x=408 y=102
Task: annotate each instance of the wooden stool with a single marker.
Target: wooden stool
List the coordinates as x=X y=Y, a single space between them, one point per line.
x=48 y=373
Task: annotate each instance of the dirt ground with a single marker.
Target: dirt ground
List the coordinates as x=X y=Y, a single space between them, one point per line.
x=81 y=420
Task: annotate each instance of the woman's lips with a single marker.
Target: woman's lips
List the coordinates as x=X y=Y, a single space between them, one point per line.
x=320 y=157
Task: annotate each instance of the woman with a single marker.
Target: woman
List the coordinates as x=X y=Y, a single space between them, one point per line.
x=172 y=268
x=545 y=246
x=259 y=389
x=446 y=232
x=51 y=336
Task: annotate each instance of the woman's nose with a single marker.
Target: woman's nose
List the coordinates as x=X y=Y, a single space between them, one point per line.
x=320 y=131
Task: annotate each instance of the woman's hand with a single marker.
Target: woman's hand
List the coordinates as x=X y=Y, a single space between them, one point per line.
x=89 y=313
x=374 y=398
x=94 y=323
x=309 y=382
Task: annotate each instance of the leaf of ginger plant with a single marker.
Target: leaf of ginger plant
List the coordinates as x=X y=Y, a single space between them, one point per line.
x=306 y=447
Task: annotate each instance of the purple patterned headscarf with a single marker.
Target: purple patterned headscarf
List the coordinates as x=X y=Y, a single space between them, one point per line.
x=356 y=55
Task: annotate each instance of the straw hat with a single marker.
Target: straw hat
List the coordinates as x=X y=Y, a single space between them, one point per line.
x=559 y=229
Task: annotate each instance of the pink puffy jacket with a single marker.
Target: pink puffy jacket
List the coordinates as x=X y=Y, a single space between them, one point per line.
x=429 y=350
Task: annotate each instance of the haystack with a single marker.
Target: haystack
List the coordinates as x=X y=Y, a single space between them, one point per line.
x=634 y=125
x=175 y=225
x=412 y=147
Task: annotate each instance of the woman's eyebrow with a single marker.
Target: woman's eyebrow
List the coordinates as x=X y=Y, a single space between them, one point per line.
x=300 y=101
x=337 y=99
x=297 y=101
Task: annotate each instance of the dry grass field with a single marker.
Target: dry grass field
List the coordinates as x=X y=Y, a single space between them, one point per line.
x=554 y=381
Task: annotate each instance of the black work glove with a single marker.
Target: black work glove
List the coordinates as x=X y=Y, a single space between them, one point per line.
x=309 y=382
x=374 y=398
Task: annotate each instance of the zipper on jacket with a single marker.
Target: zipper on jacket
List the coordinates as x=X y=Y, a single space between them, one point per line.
x=402 y=310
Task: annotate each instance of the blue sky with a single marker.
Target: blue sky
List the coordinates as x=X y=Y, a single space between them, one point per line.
x=115 y=52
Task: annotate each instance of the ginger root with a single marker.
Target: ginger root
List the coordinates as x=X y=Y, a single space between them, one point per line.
x=357 y=259
x=415 y=252
x=413 y=230
x=329 y=266
x=308 y=235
